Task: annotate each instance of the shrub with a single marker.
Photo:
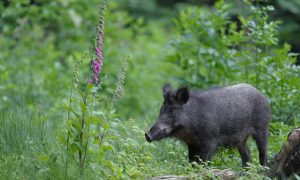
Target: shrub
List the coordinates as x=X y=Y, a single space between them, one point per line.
x=211 y=50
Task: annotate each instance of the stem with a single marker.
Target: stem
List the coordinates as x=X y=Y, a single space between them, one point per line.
x=290 y=115
x=108 y=119
x=224 y=79
x=83 y=116
x=246 y=69
x=66 y=162
x=267 y=74
x=68 y=136
x=281 y=91
x=86 y=145
x=257 y=67
x=209 y=72
x=88 y=136
x=220 y=155
x=101 y=138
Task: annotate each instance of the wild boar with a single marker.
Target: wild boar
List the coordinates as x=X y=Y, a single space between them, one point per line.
x=208 y=119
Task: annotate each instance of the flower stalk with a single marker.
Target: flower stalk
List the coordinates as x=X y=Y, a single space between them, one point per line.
x=97 y=63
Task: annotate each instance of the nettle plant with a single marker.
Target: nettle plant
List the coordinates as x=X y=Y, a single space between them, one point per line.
x=88 y=117
x=213 y=50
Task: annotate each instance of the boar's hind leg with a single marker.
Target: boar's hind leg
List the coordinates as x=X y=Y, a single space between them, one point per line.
x=261 y=139
x=244 y=152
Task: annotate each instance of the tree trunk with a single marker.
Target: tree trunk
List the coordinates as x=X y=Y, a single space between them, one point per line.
x=287 y=162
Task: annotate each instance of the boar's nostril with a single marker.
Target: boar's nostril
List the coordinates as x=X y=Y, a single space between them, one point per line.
x=148 y=137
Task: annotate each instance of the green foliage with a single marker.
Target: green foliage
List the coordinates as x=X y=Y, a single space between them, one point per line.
x=211 y=50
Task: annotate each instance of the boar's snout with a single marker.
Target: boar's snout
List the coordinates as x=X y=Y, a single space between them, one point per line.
x=158 y=132
x=148 y=137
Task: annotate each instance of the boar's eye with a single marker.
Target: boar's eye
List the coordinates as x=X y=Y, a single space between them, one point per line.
x=166 y=108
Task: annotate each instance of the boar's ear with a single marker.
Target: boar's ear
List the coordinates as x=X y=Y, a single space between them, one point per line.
x=166 y=90
x=182 y=95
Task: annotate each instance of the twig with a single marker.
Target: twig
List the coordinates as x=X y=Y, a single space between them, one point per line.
x=290 y=115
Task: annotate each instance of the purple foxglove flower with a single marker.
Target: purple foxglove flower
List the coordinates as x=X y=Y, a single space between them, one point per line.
x=97 y=63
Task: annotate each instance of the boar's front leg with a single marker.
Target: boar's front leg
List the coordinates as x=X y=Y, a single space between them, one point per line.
x=194 y=153
x=205 y=152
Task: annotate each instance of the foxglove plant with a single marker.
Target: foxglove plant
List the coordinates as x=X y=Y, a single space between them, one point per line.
x=86 y=126
x=78 y=128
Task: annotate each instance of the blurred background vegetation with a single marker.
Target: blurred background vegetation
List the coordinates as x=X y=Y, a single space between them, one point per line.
x=198 y=43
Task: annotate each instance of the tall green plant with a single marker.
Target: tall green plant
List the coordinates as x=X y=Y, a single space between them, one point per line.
x=88 y=120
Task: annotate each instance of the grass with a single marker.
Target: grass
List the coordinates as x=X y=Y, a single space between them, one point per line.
x=20 y=129
x=30 y=150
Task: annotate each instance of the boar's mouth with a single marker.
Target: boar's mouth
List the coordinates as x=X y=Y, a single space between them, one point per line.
x=148 y=137
x=156 y=134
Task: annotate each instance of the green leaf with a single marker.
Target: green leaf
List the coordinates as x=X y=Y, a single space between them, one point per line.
x=270 y=8
x=94 y=120
x=98 y=112
x=76 y=128
x=75 y=147
x=106 y=126
x=113 y=116
x=43 y=158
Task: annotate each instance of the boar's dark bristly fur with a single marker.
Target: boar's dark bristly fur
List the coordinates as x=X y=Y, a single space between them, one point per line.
x=208 y=119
